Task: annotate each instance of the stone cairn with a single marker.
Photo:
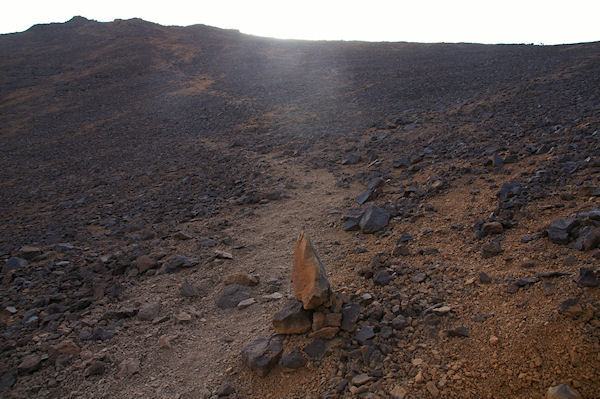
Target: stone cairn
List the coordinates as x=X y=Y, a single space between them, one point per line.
x=315 y=310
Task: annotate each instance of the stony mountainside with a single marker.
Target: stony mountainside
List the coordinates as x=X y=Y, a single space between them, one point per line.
x=154 y=181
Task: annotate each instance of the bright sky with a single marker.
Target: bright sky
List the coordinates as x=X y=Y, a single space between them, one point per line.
x=480 y=21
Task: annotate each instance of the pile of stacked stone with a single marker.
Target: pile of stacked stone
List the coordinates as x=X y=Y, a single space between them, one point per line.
x=315 y=310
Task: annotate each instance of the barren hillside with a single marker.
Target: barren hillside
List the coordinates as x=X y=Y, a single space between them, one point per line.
x=144 y=168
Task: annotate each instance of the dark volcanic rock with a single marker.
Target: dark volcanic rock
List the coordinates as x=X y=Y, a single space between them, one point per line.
x=351 y=159
x=458 y=332
x=364 y=196
x=497 y=161
x=382 y=277
x=562 y=391
x=316 y=350
x=188 y=290
x=484 y=278
x=570 y=307
x=97 y=367
x=350 y=314
x=232 y=295
x=262 y=354
x=401 y=163
x=292 y=360
x=352 y=219
x=292 y=319
x=419 y=277
x=225 y=389
x=405 y=237
x=588 y=239
x=586 y=278
x=148 y=311
x=374 y=219
x=14 y=263
x=175 y=262
x=509 y=190
x=206 y=243
x=492 y=228
x=559 y=230
x=399 y=322
x=102 y=334
x=7 y=381
x=364 y=335
x=523 y=282
x=29 y=364
x=491 y=249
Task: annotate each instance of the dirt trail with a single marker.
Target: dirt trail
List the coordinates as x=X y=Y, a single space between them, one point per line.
x=206 y=350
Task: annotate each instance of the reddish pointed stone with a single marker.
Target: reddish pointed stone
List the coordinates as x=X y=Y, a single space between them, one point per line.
x=308 y=275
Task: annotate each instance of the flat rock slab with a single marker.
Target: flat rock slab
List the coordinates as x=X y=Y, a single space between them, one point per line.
x=262 y=354
x=308 y=275
x=232 y=295
x=325 y=333
x=292 y=319
x=246 y=303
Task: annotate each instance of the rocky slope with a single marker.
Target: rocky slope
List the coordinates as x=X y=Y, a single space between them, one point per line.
x=155 y=177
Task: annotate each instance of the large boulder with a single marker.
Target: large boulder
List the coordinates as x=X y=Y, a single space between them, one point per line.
x=292 y=319
x=308 y=275
x=262 y=354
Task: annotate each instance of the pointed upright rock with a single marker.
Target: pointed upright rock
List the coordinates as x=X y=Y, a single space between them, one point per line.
x=308 y=275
